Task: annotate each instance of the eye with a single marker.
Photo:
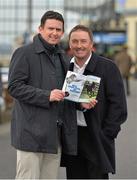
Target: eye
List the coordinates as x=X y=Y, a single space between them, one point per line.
x=74 y=41
x=83 y=41
x=51 y=29
x=58 y=30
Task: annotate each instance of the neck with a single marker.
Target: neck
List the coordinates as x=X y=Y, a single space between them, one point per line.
x=80 y=62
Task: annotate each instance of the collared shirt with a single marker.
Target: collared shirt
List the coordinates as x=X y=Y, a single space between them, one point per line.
x=80 y=70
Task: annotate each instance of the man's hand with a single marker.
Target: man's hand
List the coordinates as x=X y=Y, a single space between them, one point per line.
x=56 y=95
x=89 y=105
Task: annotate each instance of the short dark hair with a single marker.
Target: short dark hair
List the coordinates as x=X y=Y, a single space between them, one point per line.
x=82 y=28
x=51 y=15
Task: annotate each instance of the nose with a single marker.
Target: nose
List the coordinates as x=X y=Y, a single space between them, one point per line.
x=54 y=31
x=79 y=44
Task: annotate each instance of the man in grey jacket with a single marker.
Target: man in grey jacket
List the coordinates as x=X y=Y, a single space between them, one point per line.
x=36 y=76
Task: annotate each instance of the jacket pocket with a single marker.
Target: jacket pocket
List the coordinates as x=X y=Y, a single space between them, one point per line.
x=109 y=148
x=106 y=139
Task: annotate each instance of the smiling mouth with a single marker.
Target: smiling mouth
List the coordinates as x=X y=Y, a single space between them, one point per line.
x=53 y=39
x=79 y=51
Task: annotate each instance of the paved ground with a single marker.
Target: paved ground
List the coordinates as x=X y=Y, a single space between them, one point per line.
x=7 y=158
x=126 y=143
x=126 y=146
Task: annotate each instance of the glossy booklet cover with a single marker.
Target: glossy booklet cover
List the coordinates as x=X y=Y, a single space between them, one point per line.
x=81 y=88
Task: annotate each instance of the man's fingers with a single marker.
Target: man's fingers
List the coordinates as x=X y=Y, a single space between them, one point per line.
x=57 y=95
x=89 y=105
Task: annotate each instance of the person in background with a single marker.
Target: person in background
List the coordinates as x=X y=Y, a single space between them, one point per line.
x=98 y=126
x=1 y=96
x=36 y=76
x=1 y=85
x=124 y=62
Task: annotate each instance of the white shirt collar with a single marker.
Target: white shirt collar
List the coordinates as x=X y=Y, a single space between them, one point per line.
x=73 y=60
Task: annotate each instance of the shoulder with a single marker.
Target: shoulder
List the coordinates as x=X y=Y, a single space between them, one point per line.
x=21 y=54
x=106 y=66
x=106 y=62
x=23 y=51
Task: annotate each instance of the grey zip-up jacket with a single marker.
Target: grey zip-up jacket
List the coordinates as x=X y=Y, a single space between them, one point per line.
x=32 y=76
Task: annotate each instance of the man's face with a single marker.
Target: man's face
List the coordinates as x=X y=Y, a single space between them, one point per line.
x=80 y=44
x=52 y=31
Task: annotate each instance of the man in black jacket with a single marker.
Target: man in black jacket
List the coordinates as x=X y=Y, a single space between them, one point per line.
x=99 y=126
x=36 y=76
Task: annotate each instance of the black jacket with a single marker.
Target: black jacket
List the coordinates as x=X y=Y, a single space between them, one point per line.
x=32 y=76
x=104 y=121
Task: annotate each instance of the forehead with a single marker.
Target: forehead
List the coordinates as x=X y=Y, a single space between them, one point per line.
x=80 y=34
x=53 y=23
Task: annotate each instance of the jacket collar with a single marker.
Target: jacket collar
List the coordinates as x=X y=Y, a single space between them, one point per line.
x=38 y=45
x=39 y=48
x=90 y=66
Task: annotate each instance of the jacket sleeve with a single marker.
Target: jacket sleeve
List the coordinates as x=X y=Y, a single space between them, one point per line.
x=18 y=85
x=116 y=102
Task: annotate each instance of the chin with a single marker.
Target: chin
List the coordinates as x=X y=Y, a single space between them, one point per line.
x=54 y=42
x=80 y=56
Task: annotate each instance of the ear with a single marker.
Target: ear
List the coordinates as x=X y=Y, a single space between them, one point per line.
x=92 y=45
x=40 y=28
x=62 y=33
x=69 y=46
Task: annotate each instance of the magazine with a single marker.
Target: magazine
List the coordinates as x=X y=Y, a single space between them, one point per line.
x=80 y=88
